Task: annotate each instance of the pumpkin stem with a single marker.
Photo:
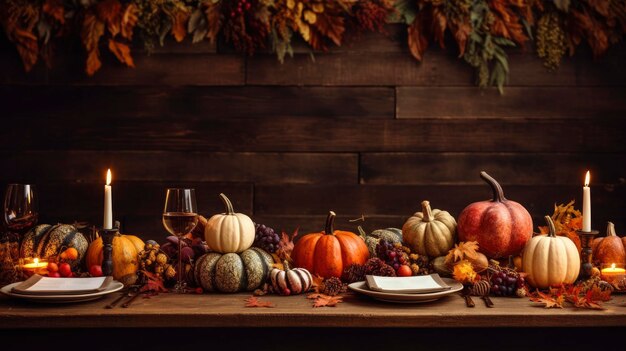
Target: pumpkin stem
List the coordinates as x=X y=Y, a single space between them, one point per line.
x=427 y=211
x=610 y=229
x=286 y=265
x=227 y=204
x=498 y=194
x=551 y=227
x=330 y=221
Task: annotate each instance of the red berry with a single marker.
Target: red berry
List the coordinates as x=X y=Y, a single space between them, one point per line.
x=95 y=270
x=404 y=271
x=286 y=291
x=65 y=270
x=232 y=14
x=199 y=290
x=248 y=6
x=53 y=267
x=54 y=274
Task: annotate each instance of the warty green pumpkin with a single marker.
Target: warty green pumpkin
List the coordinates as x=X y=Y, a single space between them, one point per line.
x=47 y=240
x=430 y=232
x=233 y=272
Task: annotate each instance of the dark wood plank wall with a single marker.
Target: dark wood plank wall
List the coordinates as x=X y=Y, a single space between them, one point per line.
x=364 y=129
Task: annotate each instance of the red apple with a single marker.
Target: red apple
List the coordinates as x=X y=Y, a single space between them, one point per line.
x=95 y=270
x=502 y=227
x=65 y=270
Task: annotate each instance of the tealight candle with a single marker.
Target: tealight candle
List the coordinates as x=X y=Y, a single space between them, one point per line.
x=611 y=273
x=35 y=266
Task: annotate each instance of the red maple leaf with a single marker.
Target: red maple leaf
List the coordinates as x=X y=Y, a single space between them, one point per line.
x=253 y=301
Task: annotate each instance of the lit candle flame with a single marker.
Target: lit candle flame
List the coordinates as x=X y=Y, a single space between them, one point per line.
x=109 y=176
x=612 y=265
x=587 y=179
x=36 y=261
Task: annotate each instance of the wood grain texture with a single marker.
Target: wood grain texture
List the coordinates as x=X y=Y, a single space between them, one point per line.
x=224 y=310
x=509 y=168
x=532 y=102
x=315 y=135
x=403 y=201
x=260 y=168
x=176 y=103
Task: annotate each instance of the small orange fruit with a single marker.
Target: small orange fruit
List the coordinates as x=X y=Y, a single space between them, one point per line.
x=404 y=271
x=52 y=267
x=70 y=254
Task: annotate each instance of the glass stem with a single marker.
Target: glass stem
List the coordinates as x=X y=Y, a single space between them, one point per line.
x=180 y=260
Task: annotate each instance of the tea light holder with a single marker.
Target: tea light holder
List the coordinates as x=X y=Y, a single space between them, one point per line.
x=586 y=253
x=107 y=236
x=613 y=273
x=33 y=265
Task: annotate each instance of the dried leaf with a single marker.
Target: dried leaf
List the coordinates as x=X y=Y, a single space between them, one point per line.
x=417 y=39
x=179 y=27
x=214 y=20
x=110 y=12
x=464 y=272
x=253 y=301
x=92 y=31
x=463 y=250
x=285 y=246
x=548 y=300
x=154 y=283
x=55 y=9
x=321 y=300
x=130 y=18
x=122 y=52
x=331 y=27
x=317 y=282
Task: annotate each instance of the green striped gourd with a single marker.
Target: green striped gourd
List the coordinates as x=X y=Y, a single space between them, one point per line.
x=233 y=272
x=47 y=240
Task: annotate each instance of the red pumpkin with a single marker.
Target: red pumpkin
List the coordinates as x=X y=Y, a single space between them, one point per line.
x=502 y=227
x=327 y=253
x=609 y=249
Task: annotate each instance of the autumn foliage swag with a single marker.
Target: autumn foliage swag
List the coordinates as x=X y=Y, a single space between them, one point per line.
x=481 y=29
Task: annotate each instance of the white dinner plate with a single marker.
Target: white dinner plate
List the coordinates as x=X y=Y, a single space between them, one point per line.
x=361 y=287
x=113 y=287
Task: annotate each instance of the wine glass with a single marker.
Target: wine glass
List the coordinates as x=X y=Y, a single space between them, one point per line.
x=20 y=208
x=180 y=216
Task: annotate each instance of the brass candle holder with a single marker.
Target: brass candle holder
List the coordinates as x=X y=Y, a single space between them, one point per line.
x=586 y=254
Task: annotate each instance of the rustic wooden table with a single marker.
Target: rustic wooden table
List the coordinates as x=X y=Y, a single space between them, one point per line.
x=170 y=310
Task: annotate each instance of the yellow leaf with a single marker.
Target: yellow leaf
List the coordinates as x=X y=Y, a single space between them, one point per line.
x=310 y=17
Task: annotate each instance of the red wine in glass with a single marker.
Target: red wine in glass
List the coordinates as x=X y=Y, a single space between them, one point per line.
x=21 y=209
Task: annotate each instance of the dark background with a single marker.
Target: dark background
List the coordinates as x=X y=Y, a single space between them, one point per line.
x=364 y=129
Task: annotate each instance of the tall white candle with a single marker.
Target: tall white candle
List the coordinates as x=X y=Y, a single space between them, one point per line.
x=586 y=205
x=108 y=204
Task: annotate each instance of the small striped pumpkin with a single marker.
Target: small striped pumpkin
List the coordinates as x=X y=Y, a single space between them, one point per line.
x=47 y=240
x=233 y=272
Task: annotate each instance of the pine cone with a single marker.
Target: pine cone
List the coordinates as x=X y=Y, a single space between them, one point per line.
x=376 y=266
x=481 y=288
x=332 y=286
x=354 y=273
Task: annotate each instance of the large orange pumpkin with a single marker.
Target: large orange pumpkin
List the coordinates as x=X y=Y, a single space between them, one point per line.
x=126 y=249
x=327 y=253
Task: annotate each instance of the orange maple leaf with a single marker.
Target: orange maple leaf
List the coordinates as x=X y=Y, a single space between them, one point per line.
x=331 y=27
x=321 y=300
x=548 y=300
x=122 y=52
x=253 y=301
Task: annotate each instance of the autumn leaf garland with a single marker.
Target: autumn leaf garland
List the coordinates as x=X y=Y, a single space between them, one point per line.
x=481 y=29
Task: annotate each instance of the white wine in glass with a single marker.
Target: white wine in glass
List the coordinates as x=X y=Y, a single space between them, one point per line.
x=180 y=216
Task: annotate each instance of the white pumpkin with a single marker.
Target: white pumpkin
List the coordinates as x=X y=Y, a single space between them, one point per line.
x=229 y=232
x=550 y=260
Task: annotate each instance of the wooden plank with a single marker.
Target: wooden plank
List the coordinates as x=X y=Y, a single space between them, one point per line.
x=316 y=135
x=509 y=168
x=182 y=102
x=226 y=310
x=134 y=203
x=535 y=102
x=272 y=168
x=305 y=224
x=165 y=69
x=403 y=201
x=171 y=46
